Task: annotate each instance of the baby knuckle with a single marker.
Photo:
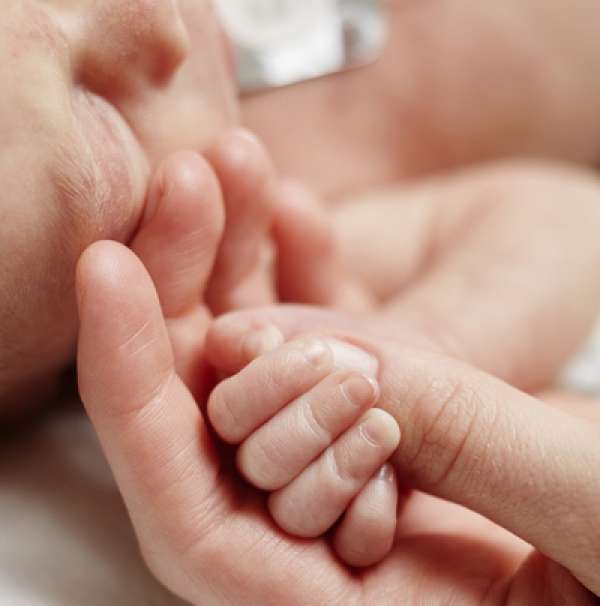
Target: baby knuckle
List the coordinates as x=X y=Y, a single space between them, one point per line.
x=316 y=425
x=345 y=471
x=262 y=463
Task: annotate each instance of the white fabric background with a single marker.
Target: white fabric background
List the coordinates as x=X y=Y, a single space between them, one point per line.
x=65 y=539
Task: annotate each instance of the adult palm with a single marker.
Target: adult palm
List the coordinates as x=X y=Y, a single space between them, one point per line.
x=207 y=536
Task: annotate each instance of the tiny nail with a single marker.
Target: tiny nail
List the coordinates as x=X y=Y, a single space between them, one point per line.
x=350 y=357
x=262 y=341
x=386 y=473
x=372 y=431
x=380 y=429
x=317 y=353
x=360 y=389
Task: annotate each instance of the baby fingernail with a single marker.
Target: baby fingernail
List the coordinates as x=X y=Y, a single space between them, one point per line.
x=317 y=353
x=380 y=429
x=360 y=390
x=350 y=357
x=262 y=341
x=386 y=473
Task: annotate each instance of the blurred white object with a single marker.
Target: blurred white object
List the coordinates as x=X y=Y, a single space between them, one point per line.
x=281 y=42
x=66 y=537
x=583 y=374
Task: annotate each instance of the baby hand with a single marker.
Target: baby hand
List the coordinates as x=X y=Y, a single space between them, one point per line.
x=303 y=416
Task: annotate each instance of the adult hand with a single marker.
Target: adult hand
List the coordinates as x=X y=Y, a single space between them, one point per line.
x=209 y=538
x=495 y=265
x=456 y=254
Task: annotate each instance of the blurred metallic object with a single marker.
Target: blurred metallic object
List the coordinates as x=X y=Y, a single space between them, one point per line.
x=281 y=42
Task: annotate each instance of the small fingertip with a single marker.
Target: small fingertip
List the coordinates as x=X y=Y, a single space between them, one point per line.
x=292 y=521
x=351 y=357
x=316 y=352
x=380 y=429
x=360 y=389
x=101 y=262
x=367 y=532
x=220 y=421
x=240 y=151
x=386 y=474
x=190 y=177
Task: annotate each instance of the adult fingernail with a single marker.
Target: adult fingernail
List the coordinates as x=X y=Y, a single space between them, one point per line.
x=350 y=357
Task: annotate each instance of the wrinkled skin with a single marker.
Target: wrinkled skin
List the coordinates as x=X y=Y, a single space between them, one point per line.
x=94 y=94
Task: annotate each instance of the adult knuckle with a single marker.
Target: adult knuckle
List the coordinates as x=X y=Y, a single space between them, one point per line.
x=448 y=414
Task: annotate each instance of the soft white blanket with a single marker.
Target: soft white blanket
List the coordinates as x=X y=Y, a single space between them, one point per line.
x=65 y=539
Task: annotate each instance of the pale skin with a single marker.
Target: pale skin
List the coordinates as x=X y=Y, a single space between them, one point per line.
x=289 y=410
x=435 y=269
x=421 y=269
x=466 y=437
x=95 y=94
x=456 y=86
x=124 y=85
x=277 y=583
x=413 y=378
x=308 y=432
x=472 y=190
x=190 y=244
